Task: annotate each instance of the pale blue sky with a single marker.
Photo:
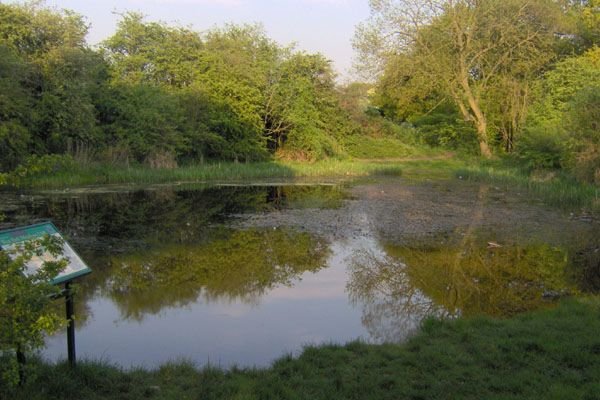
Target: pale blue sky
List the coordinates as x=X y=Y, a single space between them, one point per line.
x=325 y=26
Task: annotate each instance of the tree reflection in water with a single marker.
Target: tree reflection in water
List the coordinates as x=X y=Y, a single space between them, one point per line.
x=238 y=266
x=393 y=306
x=408 y=284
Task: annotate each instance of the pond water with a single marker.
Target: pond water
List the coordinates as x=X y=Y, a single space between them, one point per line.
x=241 y=275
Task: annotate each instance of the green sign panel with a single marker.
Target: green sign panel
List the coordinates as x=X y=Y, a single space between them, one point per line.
x=12 y=238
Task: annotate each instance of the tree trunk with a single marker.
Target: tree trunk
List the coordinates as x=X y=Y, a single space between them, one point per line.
x=484 y=148
x=21 y=360
x=476 y=114
x=480 y=124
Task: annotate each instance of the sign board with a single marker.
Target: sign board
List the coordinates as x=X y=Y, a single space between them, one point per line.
x=11 y=238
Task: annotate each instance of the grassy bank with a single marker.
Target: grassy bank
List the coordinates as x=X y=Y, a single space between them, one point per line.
x=550 y=354
x=243 y=172
x=552 y=188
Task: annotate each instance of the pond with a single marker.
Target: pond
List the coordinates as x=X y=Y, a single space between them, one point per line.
x=244 y=274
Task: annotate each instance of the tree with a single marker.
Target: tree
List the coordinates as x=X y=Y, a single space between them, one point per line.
x=32 y=30
x=65 y=117
x=25 y=302
x=464 y=49
x=583 y=124
x=15 y=102
x=153 y=53
x=146 y=121
x=303 y=114
x=563 y=124
x=57 y=73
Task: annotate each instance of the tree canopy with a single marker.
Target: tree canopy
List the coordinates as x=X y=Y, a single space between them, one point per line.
x=159 y=94
x=472 y=53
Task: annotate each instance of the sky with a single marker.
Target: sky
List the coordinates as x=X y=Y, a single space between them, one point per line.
x=325 y=26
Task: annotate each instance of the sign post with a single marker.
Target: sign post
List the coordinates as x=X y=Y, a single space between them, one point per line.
x=70 y=324
x=11 y=239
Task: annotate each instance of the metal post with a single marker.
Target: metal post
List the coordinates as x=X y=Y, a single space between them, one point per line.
x=70 y=324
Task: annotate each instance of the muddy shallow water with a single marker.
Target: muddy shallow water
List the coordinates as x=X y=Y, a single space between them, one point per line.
x=244 y=274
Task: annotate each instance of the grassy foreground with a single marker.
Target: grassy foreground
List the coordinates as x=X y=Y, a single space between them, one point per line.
x=547 y=354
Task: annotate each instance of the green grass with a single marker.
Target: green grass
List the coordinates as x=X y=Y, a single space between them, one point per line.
x=367 y=147
x=561 y=190
x=547 y=354
x=215 y=172
x=554 y=189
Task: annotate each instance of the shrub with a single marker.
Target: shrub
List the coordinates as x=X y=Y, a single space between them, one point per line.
x=39 y=165
x=583 y=119
x=541 y=148
x=446 y=130
x=26 y=314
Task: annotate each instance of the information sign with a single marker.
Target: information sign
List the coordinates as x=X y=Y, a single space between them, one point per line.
x=12 y=238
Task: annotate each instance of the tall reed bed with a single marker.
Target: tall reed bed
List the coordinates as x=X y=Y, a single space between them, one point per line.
x=554 y=189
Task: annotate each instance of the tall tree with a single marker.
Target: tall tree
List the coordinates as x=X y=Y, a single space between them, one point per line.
x=465 y=49
x=15 y=102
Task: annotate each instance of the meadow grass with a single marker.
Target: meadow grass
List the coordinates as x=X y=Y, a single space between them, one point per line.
x=546 y=354
x=219 y=172
x=554 y=189
x=366 y=147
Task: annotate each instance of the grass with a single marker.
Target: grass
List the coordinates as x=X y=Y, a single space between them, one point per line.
x=554 y=189
x=214 y=172
x=371 y=147
x=547 y=354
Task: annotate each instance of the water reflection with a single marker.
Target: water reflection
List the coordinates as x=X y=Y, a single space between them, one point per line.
x=124 y=221
x=238 y=266
x=584 y=265
x=392 y=305
x=165 y=247
x=479 y=279
x=406 y=284
x=243 y=274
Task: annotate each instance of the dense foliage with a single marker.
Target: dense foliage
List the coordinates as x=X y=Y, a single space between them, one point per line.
x=483 y=77
x=26 y=314
x=516 y=77
x=159 y=94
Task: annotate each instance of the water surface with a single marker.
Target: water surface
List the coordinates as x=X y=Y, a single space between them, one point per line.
x=241 y=275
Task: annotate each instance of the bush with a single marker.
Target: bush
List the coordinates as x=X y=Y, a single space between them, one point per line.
x=26 y=312
x=39 y=165
x=583 y=119
x=541 y=148
x=446 y=130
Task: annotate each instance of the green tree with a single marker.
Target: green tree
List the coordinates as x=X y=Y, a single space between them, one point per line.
x=146 y=121
x=15 y=102
x=304 y=118
x=561 y=84
x=153 y=53
x=583 y=119
x=65 y=117
x=32 y=29
x=26 y=314
x=59 y=75
x=562 y=128
x=465 y=50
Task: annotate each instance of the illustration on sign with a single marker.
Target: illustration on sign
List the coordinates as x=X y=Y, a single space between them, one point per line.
x=12 y=238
